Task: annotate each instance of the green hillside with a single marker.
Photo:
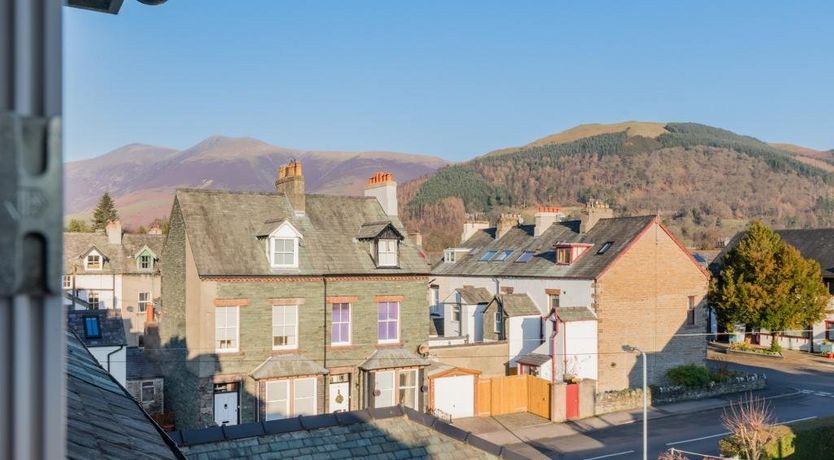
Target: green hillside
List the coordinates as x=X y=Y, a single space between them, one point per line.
x=705 y=182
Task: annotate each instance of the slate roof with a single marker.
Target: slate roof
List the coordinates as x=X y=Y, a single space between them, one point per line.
x=223 y=226
x=110 y=322
x=120 y=258
x=534 y=359
x=620 y=231
x=569 y=314
x=140 y=366
x=374 y=229
x=814 y=243
x=103 y=420
x=817 y=244
x=516 y=305
x=286 y=366
x=386 y=358
x=473 y=296
x=391 y=432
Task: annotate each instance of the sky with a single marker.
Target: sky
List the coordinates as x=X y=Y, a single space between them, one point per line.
x=453 y=79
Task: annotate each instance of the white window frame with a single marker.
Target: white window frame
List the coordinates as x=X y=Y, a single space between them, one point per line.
x=66 y=281
x=349 y=323
x=449 y=256
x=313 y=398
x=225 y=327
x=414 y=389
x=142 y=386
x=272 y=397
x=457 y=312
x=499 y=320
x=97 y=296
x=91 y=268
x=385 y=255
x=294 y=342
x=143 y=304
x=141 y=261
x=388 y=320
x=273 y=262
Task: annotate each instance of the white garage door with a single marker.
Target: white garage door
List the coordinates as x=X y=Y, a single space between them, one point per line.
x=455 y=395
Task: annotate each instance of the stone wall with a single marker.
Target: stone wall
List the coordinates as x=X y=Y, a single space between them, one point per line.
x=643 y=300
x=490 y=357
x=155 y=406
x=629 y=399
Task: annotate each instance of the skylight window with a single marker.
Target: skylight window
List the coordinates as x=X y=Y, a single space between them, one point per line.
x=525 y=257
x=605 y=247
x=502 y=256
x=488 y=255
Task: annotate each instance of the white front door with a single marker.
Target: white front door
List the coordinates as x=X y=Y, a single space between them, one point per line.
x=339 y=397
x=384 y=389
x=455 y=396
x=225 y=408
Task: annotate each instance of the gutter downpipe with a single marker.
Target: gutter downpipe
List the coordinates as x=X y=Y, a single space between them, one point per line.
x=121 y=347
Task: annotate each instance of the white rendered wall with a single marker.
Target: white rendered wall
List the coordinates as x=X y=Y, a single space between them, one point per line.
x=118 y=361
x=524 y=334
x=581 y=348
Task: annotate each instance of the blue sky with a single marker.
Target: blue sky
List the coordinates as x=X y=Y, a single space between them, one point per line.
x=449 y=78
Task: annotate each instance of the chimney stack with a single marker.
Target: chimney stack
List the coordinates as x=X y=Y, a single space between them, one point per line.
x=114 y=232
x=382 y=187
x=594 y=211
x=546 y=217
x=471 y=226
x=290 y=182
x=505 y=223
x=155 y=229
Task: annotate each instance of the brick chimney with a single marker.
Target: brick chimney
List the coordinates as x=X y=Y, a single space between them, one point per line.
x=594 y=211
x=290 y=182
x=471 y=226
x=505 y=223
x=382 y=187
x=114 y=232
x=545 y=217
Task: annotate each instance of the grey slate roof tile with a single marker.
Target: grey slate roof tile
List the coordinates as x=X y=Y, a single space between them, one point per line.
x=222 y=228
x=473 y=296
x=103 y=420
x=111 y=327
x=620 y=231
x=515 y=305
x=393 y=357
x=569 y=314
x=120 y=258
x=287 y=366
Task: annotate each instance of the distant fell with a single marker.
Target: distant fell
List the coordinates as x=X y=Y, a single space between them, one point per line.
x=142 y=178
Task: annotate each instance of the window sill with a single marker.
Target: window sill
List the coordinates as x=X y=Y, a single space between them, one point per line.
x=284 y=351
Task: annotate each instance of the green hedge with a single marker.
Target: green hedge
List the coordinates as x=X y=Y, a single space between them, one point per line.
x=690 y=376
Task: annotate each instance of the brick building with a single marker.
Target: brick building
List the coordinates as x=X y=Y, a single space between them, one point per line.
x=598 y=283
x=283 y=304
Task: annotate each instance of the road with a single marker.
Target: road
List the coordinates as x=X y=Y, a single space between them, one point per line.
x=700 y=431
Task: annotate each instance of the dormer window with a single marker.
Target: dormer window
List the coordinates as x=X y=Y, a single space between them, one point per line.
x=563 y=256
x=145 y=259
x=387 y=252
x=284 y=252
x=568 y=253
x=92 y=262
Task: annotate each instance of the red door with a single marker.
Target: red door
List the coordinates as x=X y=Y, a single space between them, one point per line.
x=572 y=401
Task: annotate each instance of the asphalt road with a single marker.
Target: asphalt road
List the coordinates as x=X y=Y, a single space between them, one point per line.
x=700 y=431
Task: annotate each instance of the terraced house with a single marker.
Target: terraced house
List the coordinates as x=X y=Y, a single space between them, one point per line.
x=284 y=304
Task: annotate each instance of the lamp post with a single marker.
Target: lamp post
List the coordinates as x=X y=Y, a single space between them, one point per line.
x=633 y=349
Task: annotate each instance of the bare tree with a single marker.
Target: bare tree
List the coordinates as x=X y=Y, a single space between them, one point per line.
x=750 y=422
x=672 y=454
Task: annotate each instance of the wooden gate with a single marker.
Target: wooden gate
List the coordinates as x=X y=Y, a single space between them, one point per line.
x=512 y=394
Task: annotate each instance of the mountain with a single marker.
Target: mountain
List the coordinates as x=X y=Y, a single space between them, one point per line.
x=704 y=182
x=142 y=178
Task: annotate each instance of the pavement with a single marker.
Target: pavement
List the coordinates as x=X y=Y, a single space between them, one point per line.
x=800 y=387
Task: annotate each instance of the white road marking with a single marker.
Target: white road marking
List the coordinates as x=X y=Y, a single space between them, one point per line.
x=611 y=455
x=726 y=433
x=799 y=420
x=697 y=439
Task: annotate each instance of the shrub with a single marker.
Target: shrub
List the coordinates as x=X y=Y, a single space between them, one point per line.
x=781 y=446
x=690 y=376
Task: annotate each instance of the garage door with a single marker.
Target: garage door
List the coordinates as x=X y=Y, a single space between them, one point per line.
x=455 y=395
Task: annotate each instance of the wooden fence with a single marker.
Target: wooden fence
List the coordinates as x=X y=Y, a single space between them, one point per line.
x=512 y=394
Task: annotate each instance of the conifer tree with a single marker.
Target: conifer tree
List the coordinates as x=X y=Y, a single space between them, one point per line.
x=105 y=212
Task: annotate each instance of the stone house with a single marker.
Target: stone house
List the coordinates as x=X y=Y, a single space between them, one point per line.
x=598 y=283
x=113 y=270
x=103 y=333
x=283 y=304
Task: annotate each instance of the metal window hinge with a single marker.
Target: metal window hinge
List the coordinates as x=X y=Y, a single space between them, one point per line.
x=31 y=208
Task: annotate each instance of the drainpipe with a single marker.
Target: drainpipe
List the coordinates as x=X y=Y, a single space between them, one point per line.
x=324 y=319
x=121 y=347
x=553 y=348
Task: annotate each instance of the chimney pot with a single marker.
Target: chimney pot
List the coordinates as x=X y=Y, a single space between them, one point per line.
x=594 y=211
x=545 y=218
x=290 y=182
x=382 y=187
